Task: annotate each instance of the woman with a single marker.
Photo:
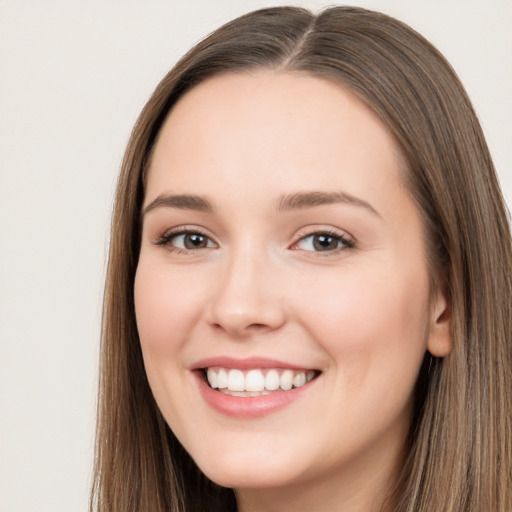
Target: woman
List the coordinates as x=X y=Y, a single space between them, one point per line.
x=307 y=302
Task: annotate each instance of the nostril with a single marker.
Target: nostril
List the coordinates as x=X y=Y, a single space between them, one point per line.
x=242 y=330
x=257 y=326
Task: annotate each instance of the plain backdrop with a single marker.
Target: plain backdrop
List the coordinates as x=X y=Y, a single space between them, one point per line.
x=73 y=78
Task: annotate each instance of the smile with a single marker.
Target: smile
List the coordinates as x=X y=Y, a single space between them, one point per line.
x=256 y=382
x=252 y=387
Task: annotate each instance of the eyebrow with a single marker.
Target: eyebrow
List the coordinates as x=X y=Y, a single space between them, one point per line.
x=287 y=202
x=302 y=200
x=181 y=201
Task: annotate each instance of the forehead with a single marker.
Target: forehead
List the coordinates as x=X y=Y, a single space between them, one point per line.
x=269 y=100
x=273 y=126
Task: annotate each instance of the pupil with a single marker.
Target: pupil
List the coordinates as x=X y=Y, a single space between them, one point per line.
x=194 y=241
x=324 y=242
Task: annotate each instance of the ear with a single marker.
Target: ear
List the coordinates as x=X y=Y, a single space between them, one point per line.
x=440 y=342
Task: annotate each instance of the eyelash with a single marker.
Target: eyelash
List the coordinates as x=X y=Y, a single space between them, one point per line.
x=166 y=240
x=339 y=238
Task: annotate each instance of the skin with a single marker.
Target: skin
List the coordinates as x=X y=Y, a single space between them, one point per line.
x=361 y=313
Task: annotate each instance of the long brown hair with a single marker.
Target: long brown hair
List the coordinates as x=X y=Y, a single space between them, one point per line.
x=459 y=447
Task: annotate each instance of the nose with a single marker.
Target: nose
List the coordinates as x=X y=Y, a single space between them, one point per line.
x=247 y=297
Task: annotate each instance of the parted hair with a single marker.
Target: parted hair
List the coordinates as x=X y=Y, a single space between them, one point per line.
x=459 y=445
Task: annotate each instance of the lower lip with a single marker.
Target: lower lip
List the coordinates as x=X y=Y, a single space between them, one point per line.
x=249 y=407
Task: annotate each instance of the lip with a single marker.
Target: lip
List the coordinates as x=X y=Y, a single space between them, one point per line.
x=247 y=407
x=246 y=363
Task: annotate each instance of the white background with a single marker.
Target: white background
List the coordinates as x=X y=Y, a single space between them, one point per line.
x=73 y=78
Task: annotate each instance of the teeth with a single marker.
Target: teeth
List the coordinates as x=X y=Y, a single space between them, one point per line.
x=272 y=380
x=213 y=379
x=299 y=380
x=222 y=379
x=287 y=380
x=256 y=382
x=236 y=380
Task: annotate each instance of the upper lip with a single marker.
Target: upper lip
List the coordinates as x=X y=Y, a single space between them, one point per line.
x=245 y=363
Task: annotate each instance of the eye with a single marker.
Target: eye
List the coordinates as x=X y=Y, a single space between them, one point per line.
x=323 y=242
x=186 y=241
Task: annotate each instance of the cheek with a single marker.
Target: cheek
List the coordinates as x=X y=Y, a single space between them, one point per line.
x=373 y=327
x=167 y=307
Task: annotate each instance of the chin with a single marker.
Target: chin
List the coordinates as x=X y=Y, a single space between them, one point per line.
x=248 y=478
x=244 y=472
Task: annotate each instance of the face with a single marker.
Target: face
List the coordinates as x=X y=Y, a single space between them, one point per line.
x=282 y=292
